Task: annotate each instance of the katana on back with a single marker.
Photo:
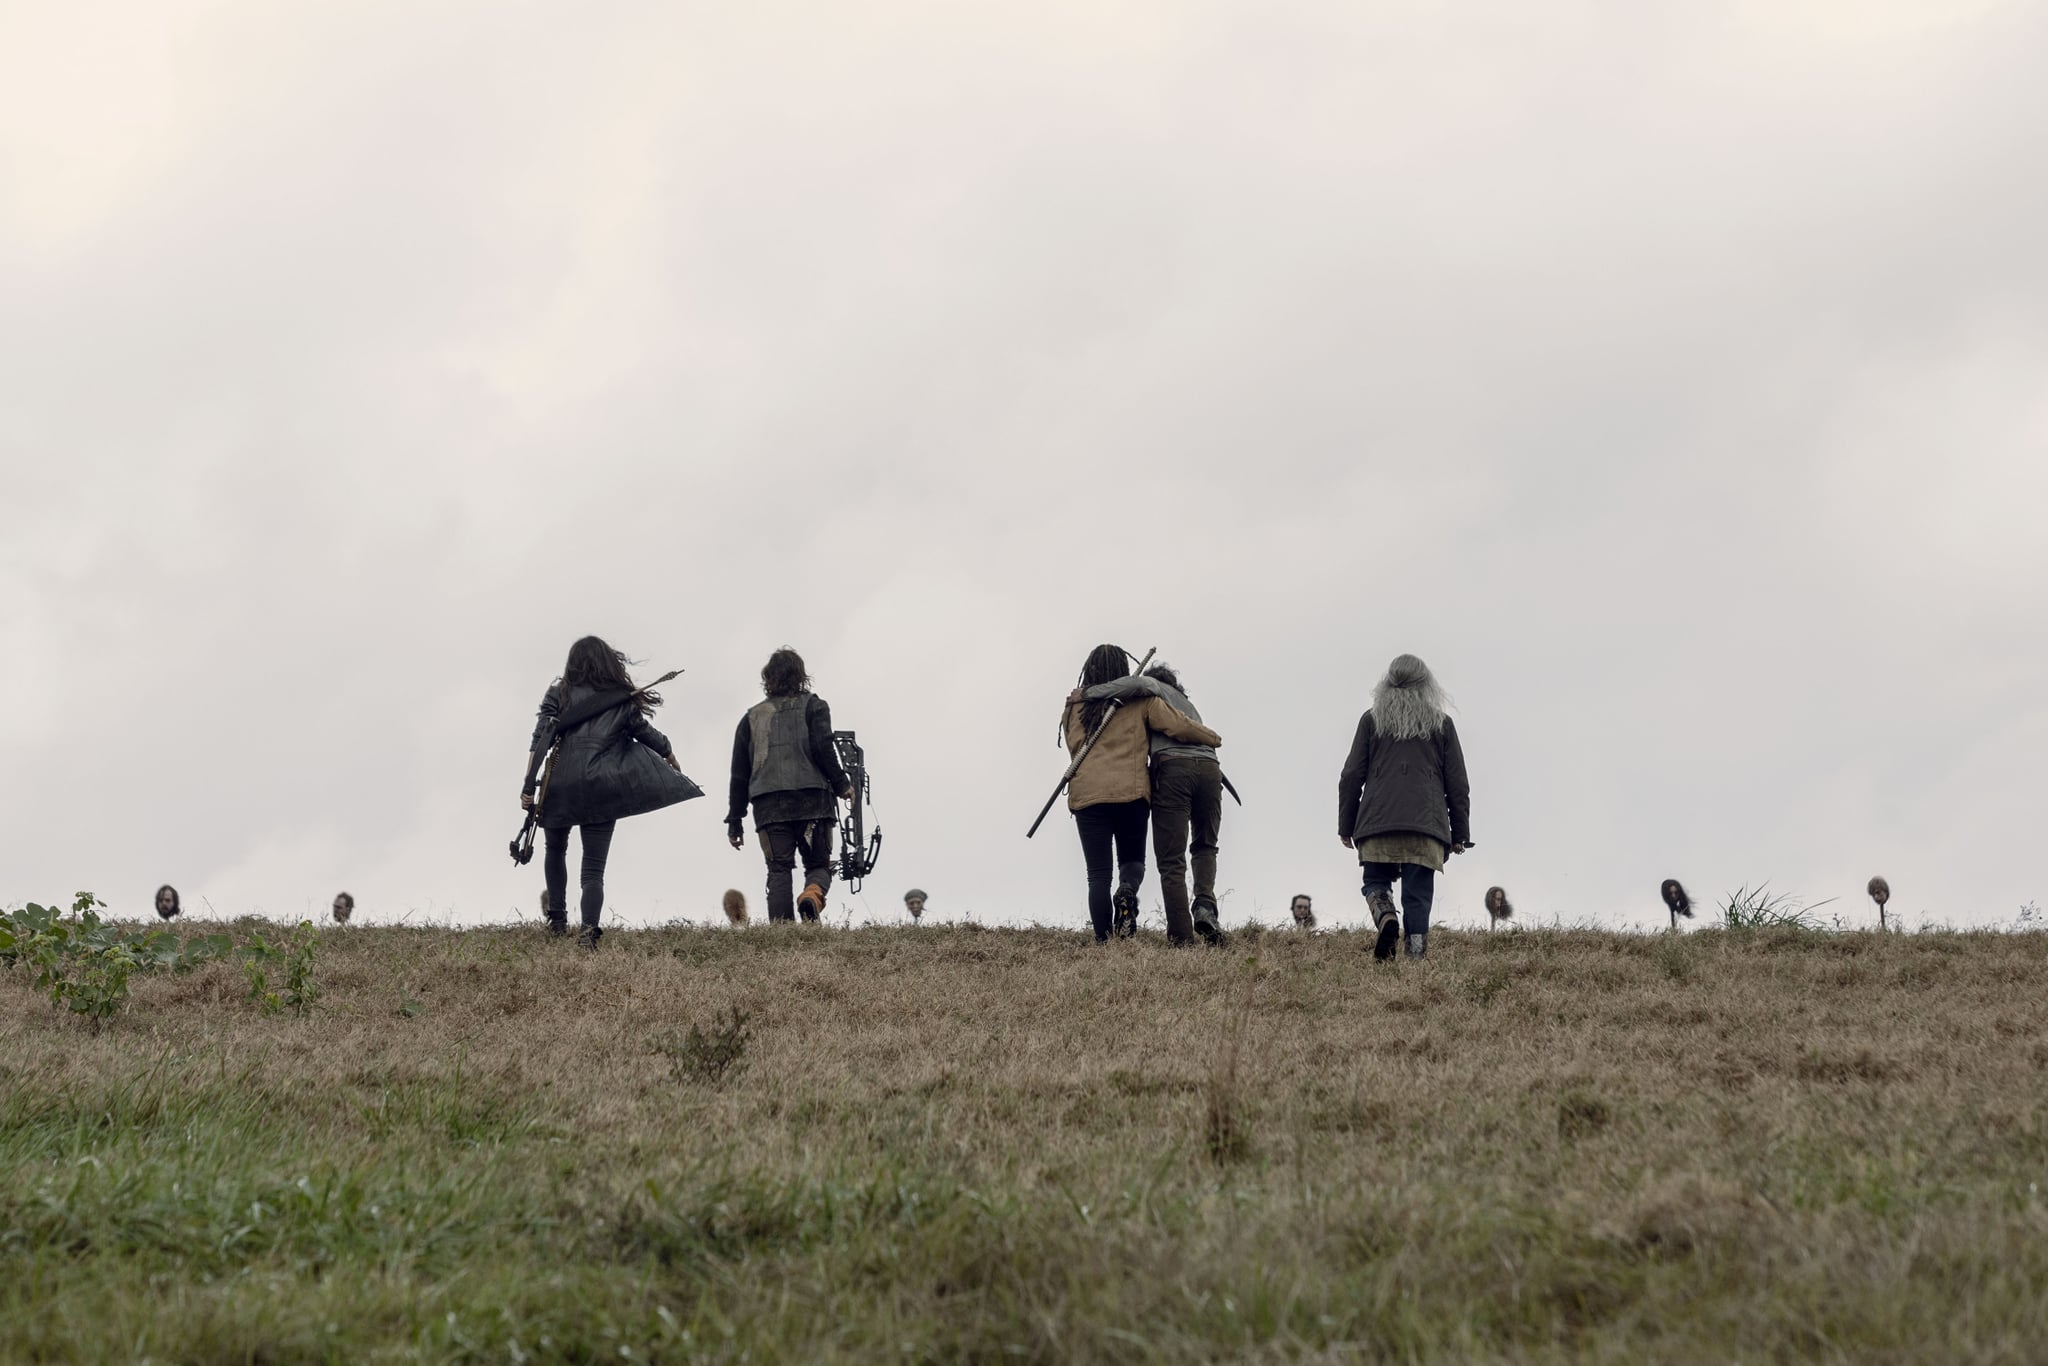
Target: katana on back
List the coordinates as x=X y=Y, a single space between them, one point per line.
x=1086 y=745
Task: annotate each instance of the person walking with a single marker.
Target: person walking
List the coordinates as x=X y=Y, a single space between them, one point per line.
x=609 y=763
x=1187 y=807
x=785 y=764
x=1403 y=801
x=1111 y=793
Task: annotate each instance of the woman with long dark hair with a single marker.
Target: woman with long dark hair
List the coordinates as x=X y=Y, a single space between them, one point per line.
x=1111 y=793
x=1403 y=801
x=608 y=763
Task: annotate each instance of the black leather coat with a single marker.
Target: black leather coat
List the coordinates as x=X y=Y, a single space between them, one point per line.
x=608 y=767
x=1393 y=787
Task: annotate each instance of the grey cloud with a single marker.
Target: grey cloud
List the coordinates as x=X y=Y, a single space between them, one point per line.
x=1668 y=378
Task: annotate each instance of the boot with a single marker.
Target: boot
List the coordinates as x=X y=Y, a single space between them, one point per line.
x=1388 y=921
x=1418 y=945
x=556 y=921
x=588 y=937
x=810 y=903
x=1126 y=911
x=1207 y=925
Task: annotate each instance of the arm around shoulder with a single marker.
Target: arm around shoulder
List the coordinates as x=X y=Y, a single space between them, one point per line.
x=1161 y=716
x=1129 y=686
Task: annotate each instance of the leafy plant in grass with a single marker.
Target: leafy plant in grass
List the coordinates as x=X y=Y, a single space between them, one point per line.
x=84 y=963
x=708 y=1056
x=1759 y=908
x=294 y=959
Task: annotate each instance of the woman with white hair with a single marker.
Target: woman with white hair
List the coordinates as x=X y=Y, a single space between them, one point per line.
x=1403 y=801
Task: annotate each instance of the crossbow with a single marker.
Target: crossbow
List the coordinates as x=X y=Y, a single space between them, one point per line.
x=858 y=847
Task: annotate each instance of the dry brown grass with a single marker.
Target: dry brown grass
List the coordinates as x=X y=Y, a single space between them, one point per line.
x=984 y=1144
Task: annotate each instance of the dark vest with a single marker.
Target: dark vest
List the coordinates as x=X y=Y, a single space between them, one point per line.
x=782 y=747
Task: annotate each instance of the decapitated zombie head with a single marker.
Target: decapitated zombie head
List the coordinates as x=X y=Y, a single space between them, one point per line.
x=913 y=901
x=167 y=903
x=1880 y=890
x=735 y=906
x=344 y=907
x=1674 y=897
x=1497 y=904
x=1303 y=910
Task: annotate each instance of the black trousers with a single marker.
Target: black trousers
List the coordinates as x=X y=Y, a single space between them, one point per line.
x=1187 y=816
x=597 y=846
x=782 y=842
x=1101 y=825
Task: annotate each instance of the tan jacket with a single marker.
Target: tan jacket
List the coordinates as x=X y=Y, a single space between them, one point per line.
x=1115 y=769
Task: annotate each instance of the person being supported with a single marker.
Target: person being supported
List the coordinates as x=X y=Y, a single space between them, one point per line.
x=785 y=765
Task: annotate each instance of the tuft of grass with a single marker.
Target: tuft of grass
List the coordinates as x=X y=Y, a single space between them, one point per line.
x=1225 y=1132
x=708 y=1056
x=1759 y=908
x=1581 y=1113
x=1675 y=959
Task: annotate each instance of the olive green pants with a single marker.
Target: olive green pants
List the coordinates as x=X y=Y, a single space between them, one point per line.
x=1187 y=815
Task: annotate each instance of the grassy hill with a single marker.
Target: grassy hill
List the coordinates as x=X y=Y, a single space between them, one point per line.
x=967 y=1144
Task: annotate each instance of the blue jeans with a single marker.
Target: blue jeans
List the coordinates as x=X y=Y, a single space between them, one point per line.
x=1418 y=890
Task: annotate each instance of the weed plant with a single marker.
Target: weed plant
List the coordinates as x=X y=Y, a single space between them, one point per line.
x=958 y=1144
x=709 y=1055
x=84 y=963
x=1759 y=908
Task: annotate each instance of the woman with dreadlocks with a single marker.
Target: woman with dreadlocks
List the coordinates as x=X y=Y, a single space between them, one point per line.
x=1111 y=793
x=609 y=763
x=1403 y=801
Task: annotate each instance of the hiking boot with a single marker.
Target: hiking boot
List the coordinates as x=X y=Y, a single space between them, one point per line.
x=1389 y=922
x=588 y=937
x=558 y=925
x=1418 y=945
x=1207 y=925
x=1125 y=905
x=810 y=903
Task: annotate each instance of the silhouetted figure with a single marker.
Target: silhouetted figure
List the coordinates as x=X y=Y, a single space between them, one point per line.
x=608 y=763
x=168 y=907
x=913 y=901
x=1303 y=911
x=1675 y=900
x=1403 y=801
x=344 y=907
x=735 y=906
x=1880 y=892
x=1498 y=908
x=1187 y=806
x=1110 y=794
x=785 y=765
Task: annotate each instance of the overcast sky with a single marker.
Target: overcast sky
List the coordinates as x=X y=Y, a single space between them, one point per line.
x=1669 y=375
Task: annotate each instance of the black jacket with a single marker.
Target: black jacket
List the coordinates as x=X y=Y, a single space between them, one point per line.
x=1405 y=786
x=606 y=768
x=770 y=807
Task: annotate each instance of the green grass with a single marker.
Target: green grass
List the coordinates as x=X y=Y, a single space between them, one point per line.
x=981 y=1145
